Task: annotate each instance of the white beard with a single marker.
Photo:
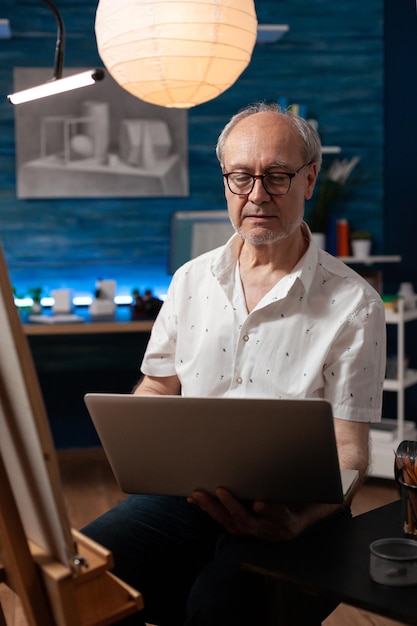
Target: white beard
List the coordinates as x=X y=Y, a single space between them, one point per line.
x=267 y=236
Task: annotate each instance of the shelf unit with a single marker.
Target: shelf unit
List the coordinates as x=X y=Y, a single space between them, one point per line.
x=386 y=436
x=385 y=442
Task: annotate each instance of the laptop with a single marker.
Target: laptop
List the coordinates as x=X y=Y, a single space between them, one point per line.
x=266 y=449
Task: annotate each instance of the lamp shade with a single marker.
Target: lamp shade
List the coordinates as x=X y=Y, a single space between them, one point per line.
x=176 y=53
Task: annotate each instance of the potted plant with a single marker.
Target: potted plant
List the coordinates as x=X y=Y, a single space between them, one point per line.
x=36 y=294
x=361 y=243
x=330 y=186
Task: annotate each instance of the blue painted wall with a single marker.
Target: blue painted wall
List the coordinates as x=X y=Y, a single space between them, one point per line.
x=332 y=60
x=400 y=216
x=400 y=102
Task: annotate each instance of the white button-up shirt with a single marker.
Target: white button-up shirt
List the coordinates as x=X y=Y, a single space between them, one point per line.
x=318 y=333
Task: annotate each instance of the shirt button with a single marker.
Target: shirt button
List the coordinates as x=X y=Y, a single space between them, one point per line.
x=246 y=338
x=239 y=380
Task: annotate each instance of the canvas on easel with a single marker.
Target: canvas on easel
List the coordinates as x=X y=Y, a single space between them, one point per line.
x=61 y=576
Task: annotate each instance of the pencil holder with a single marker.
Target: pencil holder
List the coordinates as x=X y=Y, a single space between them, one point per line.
x=405 y=472
x=408 y=508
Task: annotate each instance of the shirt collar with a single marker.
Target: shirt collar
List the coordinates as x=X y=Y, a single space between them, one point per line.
x=225 y=261
x=307 y=265
x=228 y=255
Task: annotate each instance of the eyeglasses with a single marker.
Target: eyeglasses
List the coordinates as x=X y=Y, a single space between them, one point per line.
x=274 y=183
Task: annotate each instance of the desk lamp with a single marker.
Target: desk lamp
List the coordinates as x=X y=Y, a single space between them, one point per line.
x=57 y=84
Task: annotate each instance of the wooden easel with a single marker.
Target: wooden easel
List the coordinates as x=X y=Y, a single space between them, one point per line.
x=61 y=576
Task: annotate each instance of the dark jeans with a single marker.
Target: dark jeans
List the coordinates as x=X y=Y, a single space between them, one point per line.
x=185 y=565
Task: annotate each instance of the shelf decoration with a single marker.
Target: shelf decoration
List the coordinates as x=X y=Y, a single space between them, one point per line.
x=361 y=243
x=36 y=294
x=103 y=304
x=332 y=183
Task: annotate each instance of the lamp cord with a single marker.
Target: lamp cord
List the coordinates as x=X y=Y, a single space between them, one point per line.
x=60 y=41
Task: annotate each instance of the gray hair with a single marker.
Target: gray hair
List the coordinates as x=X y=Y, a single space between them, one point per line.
x=308 y=135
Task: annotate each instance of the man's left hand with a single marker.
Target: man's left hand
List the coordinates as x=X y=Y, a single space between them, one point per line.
x=271 y=521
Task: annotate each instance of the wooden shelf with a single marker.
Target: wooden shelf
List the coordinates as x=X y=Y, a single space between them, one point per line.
x=370 y=260
x=331 y=149
x=403 y=315
x=271 y=33
x=410 y=378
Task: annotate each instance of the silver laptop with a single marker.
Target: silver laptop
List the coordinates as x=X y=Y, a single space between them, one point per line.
x=283 y=450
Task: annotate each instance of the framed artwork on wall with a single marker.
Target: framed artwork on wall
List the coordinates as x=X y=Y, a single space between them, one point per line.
x=98 y=141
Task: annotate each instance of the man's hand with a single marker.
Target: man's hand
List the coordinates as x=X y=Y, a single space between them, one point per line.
x=271 y=521
x=275 y=521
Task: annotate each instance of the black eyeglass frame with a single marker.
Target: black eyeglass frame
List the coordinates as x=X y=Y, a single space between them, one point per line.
x=262 y=177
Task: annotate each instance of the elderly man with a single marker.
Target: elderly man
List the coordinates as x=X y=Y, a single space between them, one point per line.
x=266 y=315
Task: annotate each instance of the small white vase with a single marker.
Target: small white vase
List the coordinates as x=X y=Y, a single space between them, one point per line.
x=361 y=248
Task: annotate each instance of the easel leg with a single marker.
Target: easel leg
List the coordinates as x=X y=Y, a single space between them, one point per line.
x=2 y=618
x=19 y=567
x=2 y=580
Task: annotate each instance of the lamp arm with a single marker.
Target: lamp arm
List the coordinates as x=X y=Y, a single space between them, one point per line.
x=57 y=84
x=60 y=41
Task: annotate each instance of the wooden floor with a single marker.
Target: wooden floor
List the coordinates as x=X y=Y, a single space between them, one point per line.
x=89 y=490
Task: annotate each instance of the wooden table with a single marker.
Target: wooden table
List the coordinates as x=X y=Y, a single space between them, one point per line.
x=121 y=323
x=72 y=359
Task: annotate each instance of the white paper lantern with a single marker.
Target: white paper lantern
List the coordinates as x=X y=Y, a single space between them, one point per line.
x=176 y=53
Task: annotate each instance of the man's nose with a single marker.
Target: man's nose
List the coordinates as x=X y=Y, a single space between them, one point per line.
x=259 y=190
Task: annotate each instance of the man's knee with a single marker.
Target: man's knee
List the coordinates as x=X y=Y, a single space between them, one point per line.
x=225 y=595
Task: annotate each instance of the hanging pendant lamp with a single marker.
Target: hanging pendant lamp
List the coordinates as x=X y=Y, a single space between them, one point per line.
x=176 y=53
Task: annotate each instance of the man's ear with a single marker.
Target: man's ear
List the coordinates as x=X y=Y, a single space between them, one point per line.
x=311 y=178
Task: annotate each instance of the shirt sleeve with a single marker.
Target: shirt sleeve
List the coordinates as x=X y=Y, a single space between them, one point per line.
x=355 y=369
x=159 y=359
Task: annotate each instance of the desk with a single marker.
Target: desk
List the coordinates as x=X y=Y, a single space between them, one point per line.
x=122 y=323
x=76 y=358
x=90 y=328
x=335 y=564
